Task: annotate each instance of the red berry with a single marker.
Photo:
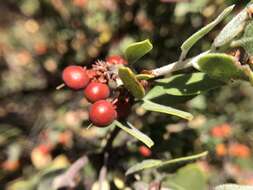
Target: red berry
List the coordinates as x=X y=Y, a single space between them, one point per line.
x=75 y=77
x=96 y=91
x=102 y=113
x=144 y=151
x=116 y=59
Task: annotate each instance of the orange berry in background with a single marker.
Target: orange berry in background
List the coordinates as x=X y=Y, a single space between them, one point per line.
x=79 y=3
x=220 y=150
x=40 y=156
x=40 y=48
x=10 y=165
x=226 y=129
x=44 y=148
x=144 y=151
x=239 y=150
x=221 y=131
x=65 y=138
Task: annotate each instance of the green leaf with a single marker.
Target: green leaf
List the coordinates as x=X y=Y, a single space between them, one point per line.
x=148 y=164
x=131 y=83
x=151 y=106
x=233 y=187
x=183 y=159
x=221 y=67
x=232 y=29
x=22 y=184
x=188 y=177
x=130 y=129
x=186 y=84
x=155 y=92
x=187 y=45
x=247 y=39
x=144 y=76
x=137 y=50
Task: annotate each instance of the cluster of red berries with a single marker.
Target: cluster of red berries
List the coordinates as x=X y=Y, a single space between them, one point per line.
x=102 y=112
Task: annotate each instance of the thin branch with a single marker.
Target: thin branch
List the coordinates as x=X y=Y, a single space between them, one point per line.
x=67 y=179
x=102 y=177
x=109 y=139
x=176 y=66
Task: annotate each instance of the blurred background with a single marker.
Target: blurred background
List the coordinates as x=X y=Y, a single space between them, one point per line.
x=42 y=128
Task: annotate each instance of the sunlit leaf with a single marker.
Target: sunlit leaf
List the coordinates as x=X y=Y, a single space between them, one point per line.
x=187 y=45
x=246 y=41
x=151 y=106
x=148 y=164
x=221 y=67
x=183 y=159
x=131 y=83
x=130 y=129
x=137 y=50
x=232 y=29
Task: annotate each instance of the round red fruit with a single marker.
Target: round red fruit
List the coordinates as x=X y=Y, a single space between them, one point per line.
x=116 y=59
x=75 y=77
x=96 y=91
x=144 y=151
x=102 y=113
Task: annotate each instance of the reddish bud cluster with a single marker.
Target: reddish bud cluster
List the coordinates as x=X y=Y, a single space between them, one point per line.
x=233 y=149
x=95 y=81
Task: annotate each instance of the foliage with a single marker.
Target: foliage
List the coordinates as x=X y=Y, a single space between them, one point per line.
x=202 y=102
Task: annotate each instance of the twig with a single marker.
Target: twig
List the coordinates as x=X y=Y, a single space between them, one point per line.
x=102 y=177
x=176 y=66
x=67 y=179
x=109 y=140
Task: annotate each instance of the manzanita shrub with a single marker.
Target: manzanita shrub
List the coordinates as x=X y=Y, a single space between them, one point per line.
x=113 y=87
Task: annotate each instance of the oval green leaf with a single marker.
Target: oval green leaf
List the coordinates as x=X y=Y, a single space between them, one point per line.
x=137 y=50
x=151 y=106
x=130 y=129
x=148 y=164
x=246 y=41
x=232 y=29
x=187 y=45
x=131 y=83
x=221 y=67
